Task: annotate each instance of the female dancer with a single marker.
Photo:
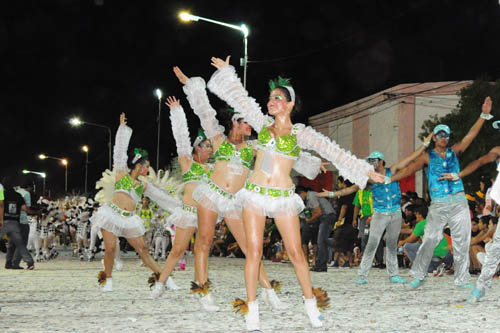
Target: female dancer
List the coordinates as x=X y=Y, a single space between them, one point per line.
x=184 y=218
x=269 y=191
x=215 y=195
x=118 y=219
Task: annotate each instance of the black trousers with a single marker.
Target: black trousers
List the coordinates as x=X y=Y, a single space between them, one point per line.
x=13 y=230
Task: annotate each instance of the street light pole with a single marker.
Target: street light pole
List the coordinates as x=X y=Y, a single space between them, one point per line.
x=243 y=29
x=77 y=122
x=41 y=174
x=158 y=94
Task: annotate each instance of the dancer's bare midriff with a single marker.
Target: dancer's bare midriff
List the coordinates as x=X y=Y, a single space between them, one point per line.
x=279 y=175
x=224 y=177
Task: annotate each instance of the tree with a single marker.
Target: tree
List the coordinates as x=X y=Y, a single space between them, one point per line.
x=460 y=121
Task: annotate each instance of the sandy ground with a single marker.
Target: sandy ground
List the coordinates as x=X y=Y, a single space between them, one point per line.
x=63 y=296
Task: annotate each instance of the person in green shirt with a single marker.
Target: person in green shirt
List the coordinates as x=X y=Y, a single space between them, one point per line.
x=363 y=207
x=411 y=246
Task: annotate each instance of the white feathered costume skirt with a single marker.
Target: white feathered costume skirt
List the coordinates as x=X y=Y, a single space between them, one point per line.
x=110 y=218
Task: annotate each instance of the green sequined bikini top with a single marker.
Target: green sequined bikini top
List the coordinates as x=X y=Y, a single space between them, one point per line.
x=195 y=173
x=285 y=145
x=134 y=188
x=227 y=149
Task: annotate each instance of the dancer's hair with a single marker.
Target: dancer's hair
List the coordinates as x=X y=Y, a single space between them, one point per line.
x=284 y=86
x=141 y=156
x=226 y=115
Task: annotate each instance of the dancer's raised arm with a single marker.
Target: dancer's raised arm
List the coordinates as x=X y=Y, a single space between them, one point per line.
x=227 y=86
x=180 y=129
x=122 y=140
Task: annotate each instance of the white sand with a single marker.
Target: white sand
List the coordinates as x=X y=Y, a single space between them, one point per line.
x=62 y=296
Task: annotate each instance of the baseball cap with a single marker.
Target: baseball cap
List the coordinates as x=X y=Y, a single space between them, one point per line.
x=441 y=127
x=376 y=154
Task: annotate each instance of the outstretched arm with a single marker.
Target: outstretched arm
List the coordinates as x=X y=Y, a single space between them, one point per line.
x=339 y=193
x=461 y=146
x=418 y=164
x=407 y=160
x=356 y=170
x=227 y=86
x=180 y=132
x=122 y=140
x=492 y=155
x=196 y=94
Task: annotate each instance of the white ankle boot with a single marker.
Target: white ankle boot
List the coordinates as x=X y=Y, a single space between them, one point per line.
x=171 y=284
x=252 y=318
x=313 y=312
x=208 y=303
x=108 y=285
x=158 y=290
x=270 y=298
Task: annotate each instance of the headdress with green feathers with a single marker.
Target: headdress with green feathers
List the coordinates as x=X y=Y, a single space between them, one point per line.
x=200 y=138
x=236 y=115
x=138 y=154
x=282 y=82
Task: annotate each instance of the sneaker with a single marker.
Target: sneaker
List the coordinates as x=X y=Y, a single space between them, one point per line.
x=231 y=255
x=252 y=317
x=475 y=295
x=360 y=281
x=31 y=267
x=170 y=285
x=466 y=286
x=397 y=279
x=208 y=303
x=108 y=286
x=334 y=264
x=158 y=290
x=313 y=312
x=440 y=270
x=415 y=284
x=270 y=298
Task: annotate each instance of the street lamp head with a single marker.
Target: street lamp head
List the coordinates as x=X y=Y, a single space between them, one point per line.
x=186 y=17
x=64 y=162
x=244 y=30
x=158 y=93
x=42 y=156
x=85 y=148
x=43 y=174
x=75 y=122
x=25 y=171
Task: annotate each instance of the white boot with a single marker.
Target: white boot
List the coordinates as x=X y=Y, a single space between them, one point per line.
x=171 y=284
x=252 y=318
x=208 y=303
x=158 y=290
x=108 y=285
x=270 y=298
x=313 y=312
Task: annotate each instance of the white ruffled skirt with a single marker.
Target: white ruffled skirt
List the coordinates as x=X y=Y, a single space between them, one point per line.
x=182 y=218
x=121 y=226
x=265 y=205
x=224 y=206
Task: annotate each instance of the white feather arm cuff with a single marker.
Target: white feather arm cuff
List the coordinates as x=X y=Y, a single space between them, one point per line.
x=180 y=131
x=349 y=166
x=162 y=198
x=227 y=86
x=122 y=140
x=308 y=165
x=198 y=100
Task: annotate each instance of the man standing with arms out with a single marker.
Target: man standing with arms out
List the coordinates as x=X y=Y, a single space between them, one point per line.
x=323 y=210
x=448 y=202
x=13 y=205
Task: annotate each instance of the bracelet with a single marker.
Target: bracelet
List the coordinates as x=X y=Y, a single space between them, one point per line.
x=331 y=194
x=486 y=116
x=426 y=144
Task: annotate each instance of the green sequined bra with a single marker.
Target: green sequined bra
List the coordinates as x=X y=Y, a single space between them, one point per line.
x=285 y=145
x=134 y=188
x=195 y=173
x=227 y=149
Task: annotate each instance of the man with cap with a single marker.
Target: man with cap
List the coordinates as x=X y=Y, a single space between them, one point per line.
x=448 y=201
x=386 y=217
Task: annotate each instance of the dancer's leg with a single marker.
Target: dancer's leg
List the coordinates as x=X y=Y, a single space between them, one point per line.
x=181 y=242
x=377 y=227
x=391 y=241
x=254 y=230
x=140 y=247
x=237 y=229
x=491 y=261
x=460 y=229
x=109 y=251
x=204 y=237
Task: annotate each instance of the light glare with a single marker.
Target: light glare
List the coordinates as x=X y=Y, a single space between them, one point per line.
x=75 y=122
x=42 y=156
x=158 y=93
x=186 y=17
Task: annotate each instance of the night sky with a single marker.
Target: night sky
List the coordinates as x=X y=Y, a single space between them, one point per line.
x=95 y=59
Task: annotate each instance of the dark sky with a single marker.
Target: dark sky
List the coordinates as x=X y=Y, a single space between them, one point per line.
x=97 y=58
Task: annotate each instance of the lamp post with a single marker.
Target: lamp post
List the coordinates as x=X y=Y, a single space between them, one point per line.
x=158 y=94
x=63 y=162
x=242 y=28
x=85 y=148
x=41 y=174
x=75 y=122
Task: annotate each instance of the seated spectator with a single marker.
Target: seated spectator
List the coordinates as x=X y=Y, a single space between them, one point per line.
x=480 y=233
x=219 y=238
x=442 y=257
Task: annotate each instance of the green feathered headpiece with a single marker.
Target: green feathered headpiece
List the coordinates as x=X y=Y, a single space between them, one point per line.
x=139 y=153
x=200 y=138
x=282 y=82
